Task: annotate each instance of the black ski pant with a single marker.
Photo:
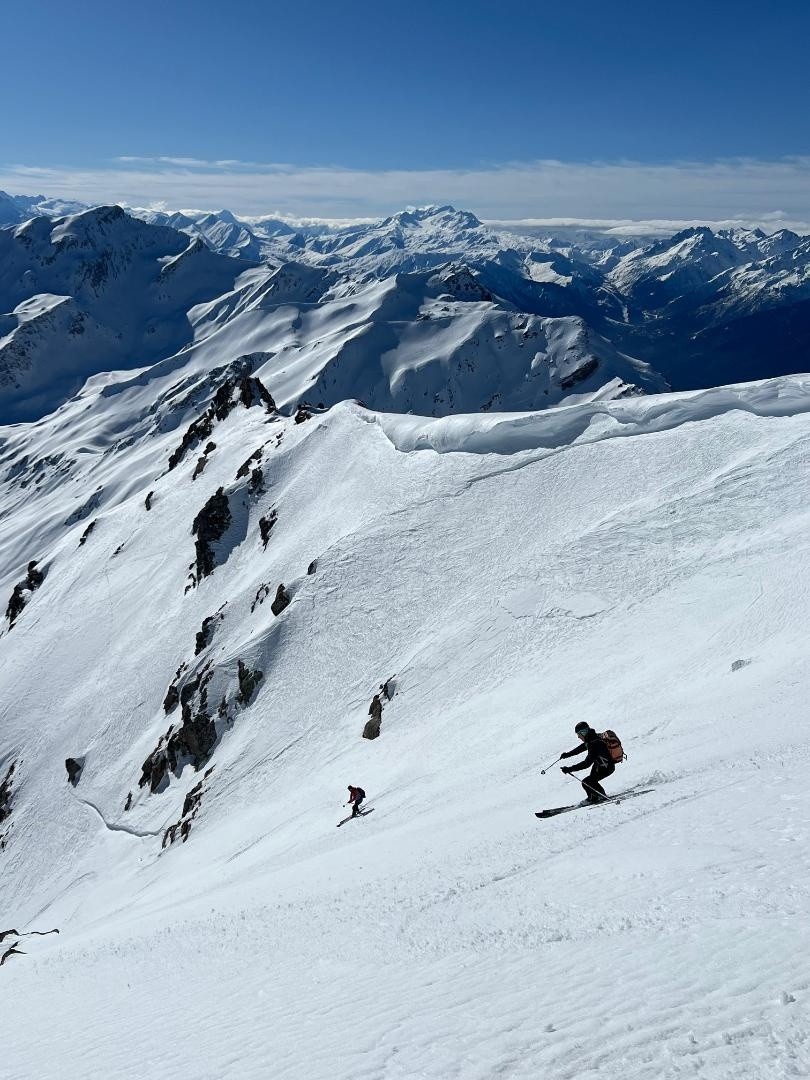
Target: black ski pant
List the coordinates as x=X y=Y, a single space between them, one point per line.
x=593 y=789
x=356 y=808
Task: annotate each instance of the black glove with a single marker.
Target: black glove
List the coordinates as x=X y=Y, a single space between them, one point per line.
x=565 y=768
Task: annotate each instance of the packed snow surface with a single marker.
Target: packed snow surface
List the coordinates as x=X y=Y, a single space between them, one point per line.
x=641 y=564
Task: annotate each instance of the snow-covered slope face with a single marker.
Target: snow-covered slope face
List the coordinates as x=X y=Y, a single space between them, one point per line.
x=702 y=307
x=95 y=292
x=218 y=592
x=103 y=291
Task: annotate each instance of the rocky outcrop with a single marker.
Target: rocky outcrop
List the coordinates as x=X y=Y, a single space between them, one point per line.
x=206 y=632
x=246 y=466
x=74 y=768
x=87 y=531
x=240 y=387
x=281 y=601
x=86 y=509
x=6 y=786
x=210 y=525
x=262 y=593
x=21 y=592
x=191 y=806
x=248 y=681
x=302 y=413
x=266 y=526
x=372 y=727
x=375 y=709
x=313 y=566
x=581 y=373
x=191 y=743
x=148 y=500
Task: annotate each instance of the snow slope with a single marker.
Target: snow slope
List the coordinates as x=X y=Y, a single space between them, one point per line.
x=640 y=563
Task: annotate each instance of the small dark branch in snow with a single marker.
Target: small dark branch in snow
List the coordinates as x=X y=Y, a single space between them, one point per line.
x=13 y=951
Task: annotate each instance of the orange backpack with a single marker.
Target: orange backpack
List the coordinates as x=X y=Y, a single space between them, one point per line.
x=614 y=745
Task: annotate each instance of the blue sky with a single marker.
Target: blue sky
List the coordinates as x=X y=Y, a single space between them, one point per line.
x=261 y=106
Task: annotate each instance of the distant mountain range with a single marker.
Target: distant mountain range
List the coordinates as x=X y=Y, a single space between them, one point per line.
x=428 y=310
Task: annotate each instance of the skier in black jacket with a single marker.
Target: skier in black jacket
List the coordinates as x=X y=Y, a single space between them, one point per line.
x=598 y=761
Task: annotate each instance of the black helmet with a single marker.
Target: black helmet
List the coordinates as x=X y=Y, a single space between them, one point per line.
x=582 y=728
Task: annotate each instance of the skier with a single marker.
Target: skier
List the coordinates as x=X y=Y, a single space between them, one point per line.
x=356 y=796
x=599 y=761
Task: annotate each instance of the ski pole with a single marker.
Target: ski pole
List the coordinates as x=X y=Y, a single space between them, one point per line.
x=554 y=762
x=608 y=798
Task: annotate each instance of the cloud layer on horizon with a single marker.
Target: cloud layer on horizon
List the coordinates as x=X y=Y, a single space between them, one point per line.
x=769 y=193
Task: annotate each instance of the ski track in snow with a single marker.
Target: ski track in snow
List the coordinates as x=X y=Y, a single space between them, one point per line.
x=451 y=934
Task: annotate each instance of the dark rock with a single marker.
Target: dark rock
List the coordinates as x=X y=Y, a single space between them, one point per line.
x=375 y=708
x=266 y=525
x=372 y=729
x=581 y=373
x=313 y=566
x=302 y=414
x=148 y=500
x=739 y=664
x=388 y=688
x=6 y=792
x=118 y=550
x=206 y=633
x=34 y=577
x=191 y=806
x=128 y=803
x=199 y=467
x=262 y=593
x=74 y=768
x=210 y=525
x=87 y=531
x=209 y=448
x=172 y=698
x=20 y=594
x=240 y=387
x=246 y=466
x=281 y=601
x=256 y=481
x=248 y=681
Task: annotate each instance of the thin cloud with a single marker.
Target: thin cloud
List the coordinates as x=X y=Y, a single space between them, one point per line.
x=771 y=193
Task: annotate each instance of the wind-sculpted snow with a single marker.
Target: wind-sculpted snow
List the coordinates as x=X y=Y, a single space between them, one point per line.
x=640 y=563
x=593 y=421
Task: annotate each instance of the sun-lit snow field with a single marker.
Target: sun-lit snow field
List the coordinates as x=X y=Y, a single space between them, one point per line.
x=516 y=574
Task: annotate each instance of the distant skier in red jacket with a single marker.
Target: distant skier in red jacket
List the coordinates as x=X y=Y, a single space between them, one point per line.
x=356 y=796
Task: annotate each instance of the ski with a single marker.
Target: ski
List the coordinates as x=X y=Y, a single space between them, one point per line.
x=581 y=805
x=361 y=814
